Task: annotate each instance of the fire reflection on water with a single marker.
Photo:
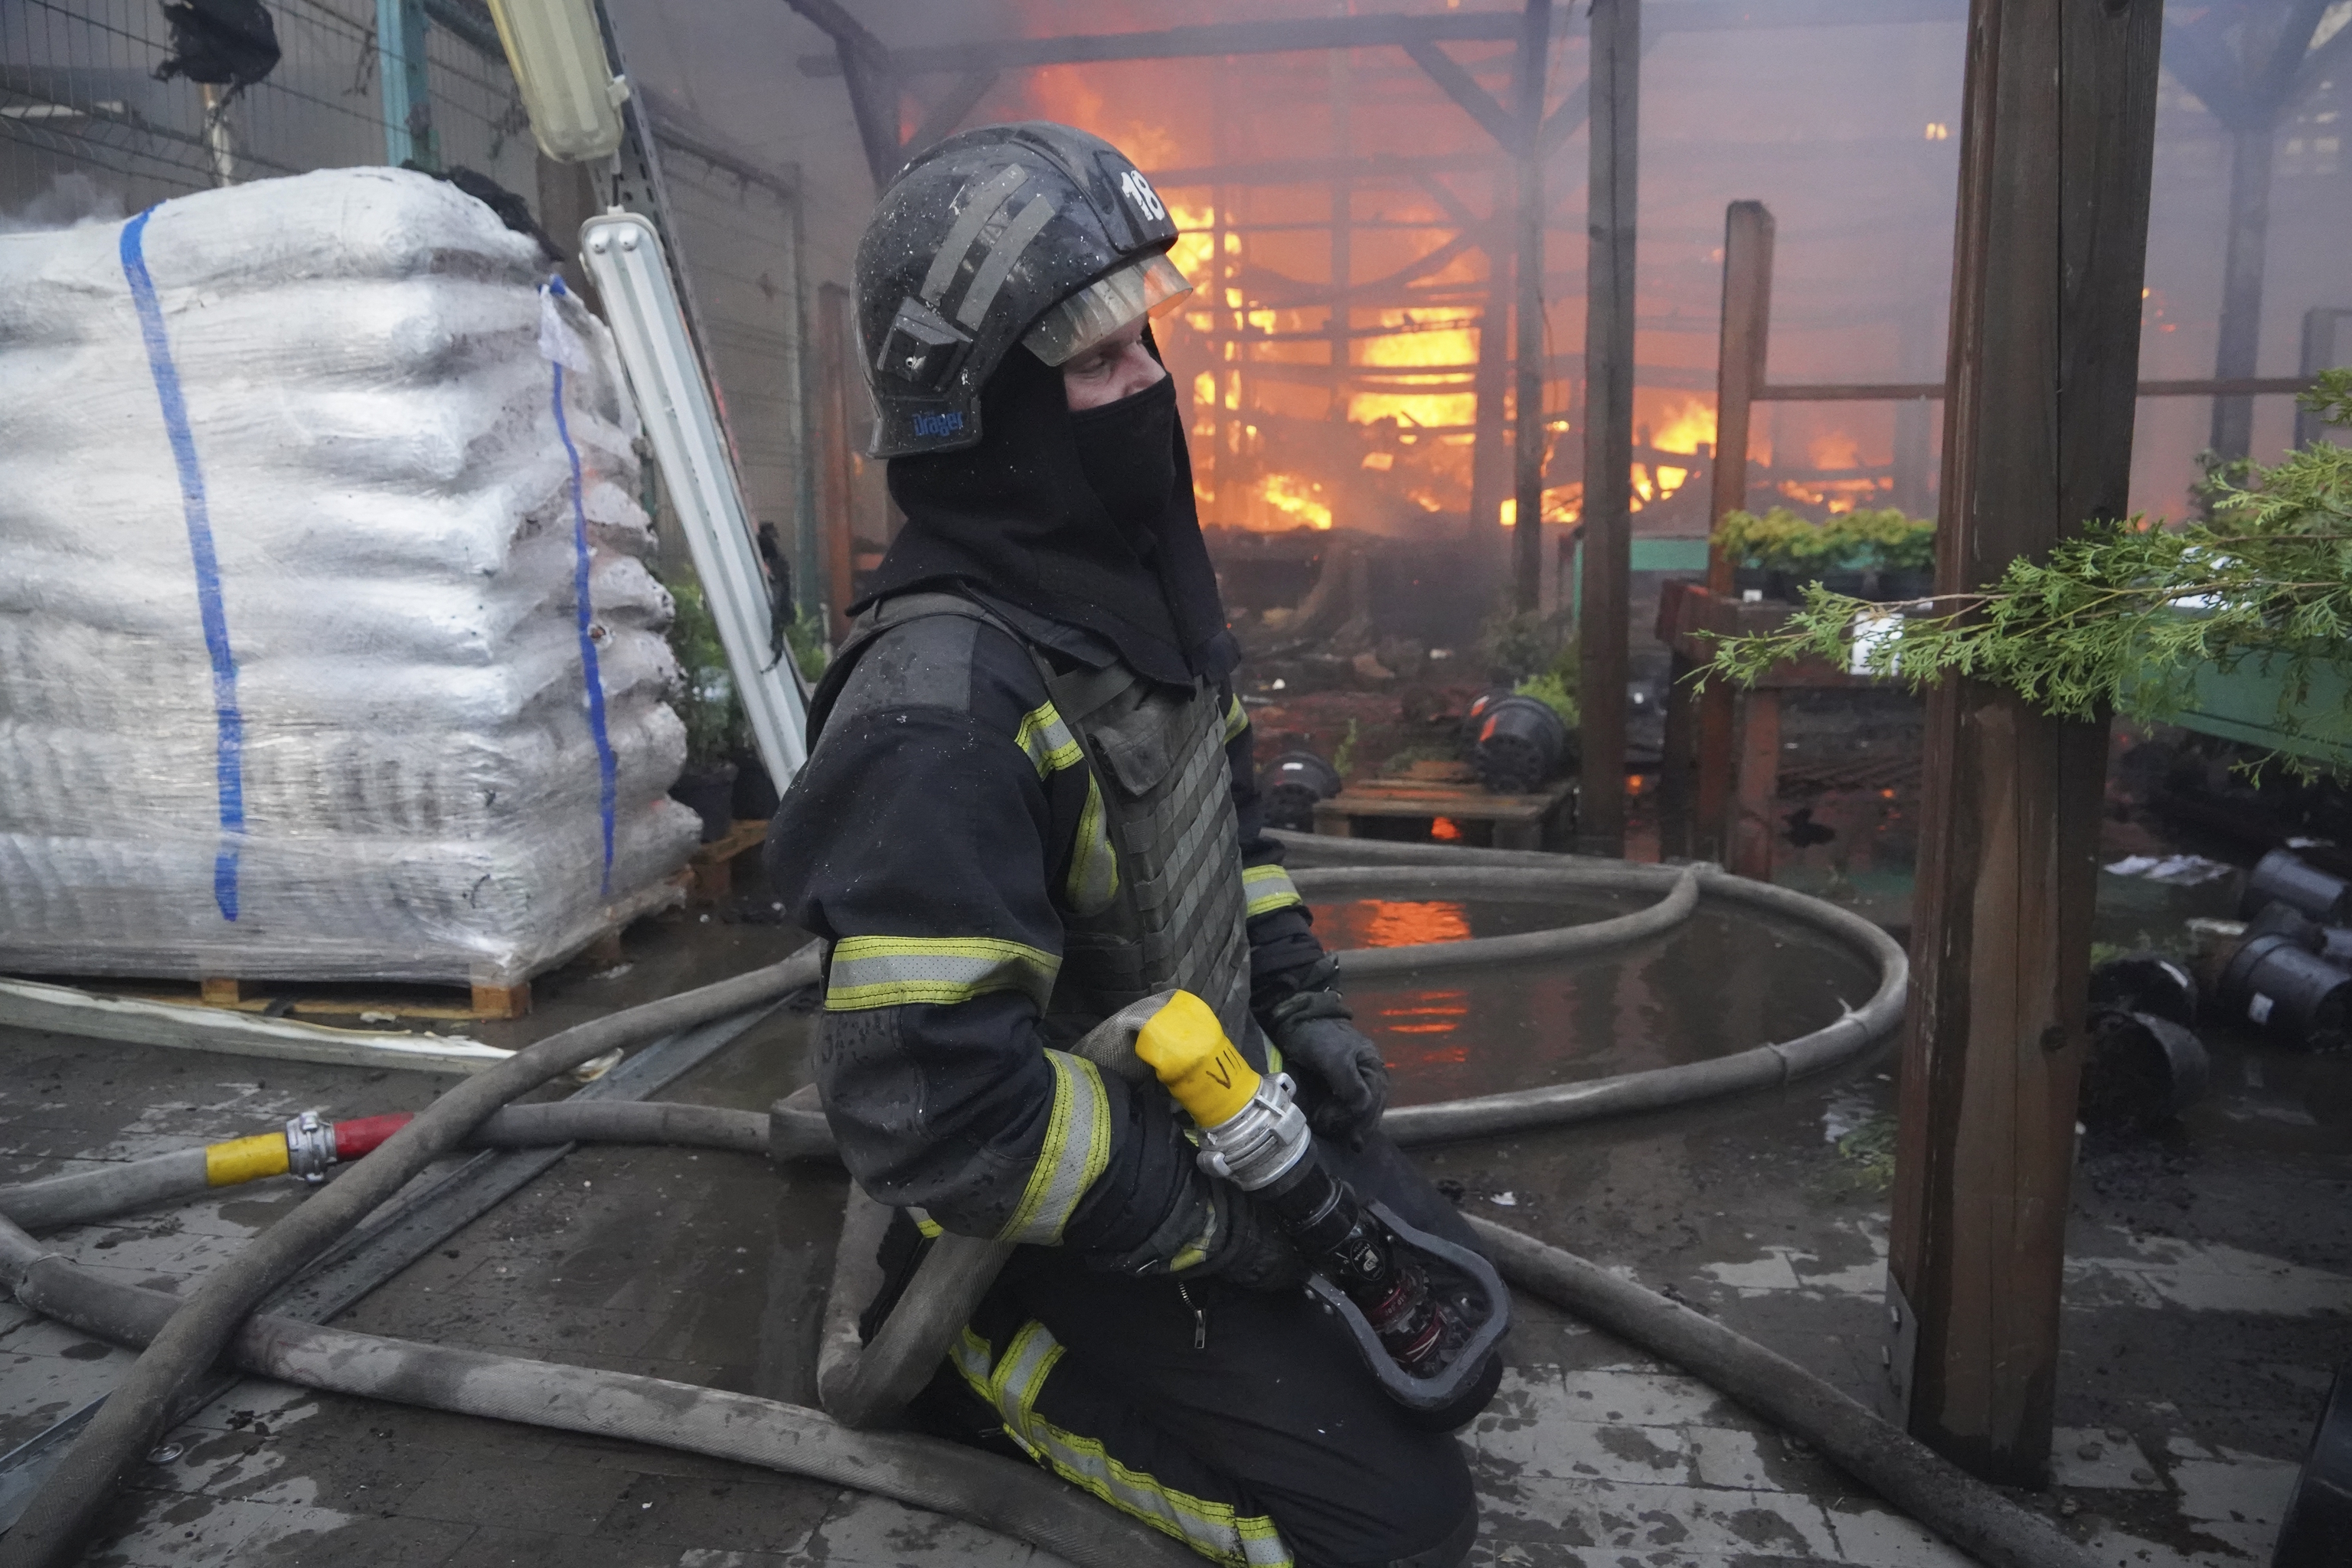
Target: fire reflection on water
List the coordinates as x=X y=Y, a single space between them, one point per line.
x=1718 y=984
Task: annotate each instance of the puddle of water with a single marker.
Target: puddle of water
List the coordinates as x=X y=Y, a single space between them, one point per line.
x=1722 y=982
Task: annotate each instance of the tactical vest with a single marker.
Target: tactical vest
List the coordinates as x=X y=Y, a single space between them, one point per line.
x=1173 y=914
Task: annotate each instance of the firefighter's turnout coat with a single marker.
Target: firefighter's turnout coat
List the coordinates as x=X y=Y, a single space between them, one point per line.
x=1005 y=835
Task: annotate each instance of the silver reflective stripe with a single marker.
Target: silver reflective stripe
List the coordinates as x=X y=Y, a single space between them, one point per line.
x=1075 y=1149
x=980 y=207
x=1047 y=740
x=904 y=970
x=1001 y=258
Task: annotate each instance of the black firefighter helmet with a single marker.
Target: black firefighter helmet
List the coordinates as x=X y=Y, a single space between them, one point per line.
x=1034 y=234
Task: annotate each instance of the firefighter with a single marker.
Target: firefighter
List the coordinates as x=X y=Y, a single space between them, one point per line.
x=1031 y=802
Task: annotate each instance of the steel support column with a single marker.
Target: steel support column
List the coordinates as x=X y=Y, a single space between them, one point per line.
x=2057 y=133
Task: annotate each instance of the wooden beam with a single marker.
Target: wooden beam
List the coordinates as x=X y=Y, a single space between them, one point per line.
x=1379 y=31
x=1211 y=39
x=873 y=76
x=960 y=100
x=1460 y=86
x=1602 y=629
x=2057 y=136
x=1905 y=391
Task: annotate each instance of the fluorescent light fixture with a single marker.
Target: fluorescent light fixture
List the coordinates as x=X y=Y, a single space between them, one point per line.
x=557 y=54
x=625 y=257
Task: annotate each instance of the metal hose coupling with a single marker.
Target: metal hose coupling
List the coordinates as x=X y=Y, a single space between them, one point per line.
x=1424 y=1313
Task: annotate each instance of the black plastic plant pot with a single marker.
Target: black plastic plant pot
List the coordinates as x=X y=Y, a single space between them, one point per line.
x=2283 y=877
x=2317 y=1530
x=1288 y=787
x=2144 y=982
x=711 y=792
x=2142 y=1071
x=1746 y=580
x=1517 y=742
x=2287 y=921
x=2294 y=995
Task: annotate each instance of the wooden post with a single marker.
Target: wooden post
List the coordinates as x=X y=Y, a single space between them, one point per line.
x=833 y=501
x=1489 y=470
x=1740 y=355
x=2238 y=341
x=1343 y=236
x=1528 y=437
x=2319 y=325
x=1601 y=630
x=2057 y=135
x=1757 y=786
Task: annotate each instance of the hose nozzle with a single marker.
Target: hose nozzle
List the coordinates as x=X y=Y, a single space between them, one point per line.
x=1251 y=1132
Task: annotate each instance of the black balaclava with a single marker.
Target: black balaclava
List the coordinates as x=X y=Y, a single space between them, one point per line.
x=1087 y=518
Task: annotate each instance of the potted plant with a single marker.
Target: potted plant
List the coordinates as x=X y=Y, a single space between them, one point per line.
x=711 y=711
x=1850 y=553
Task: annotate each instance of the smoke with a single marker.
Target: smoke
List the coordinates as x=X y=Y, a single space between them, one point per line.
x=72 y=199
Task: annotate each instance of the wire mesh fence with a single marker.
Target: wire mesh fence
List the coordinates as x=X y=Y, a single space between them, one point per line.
x=86 y=120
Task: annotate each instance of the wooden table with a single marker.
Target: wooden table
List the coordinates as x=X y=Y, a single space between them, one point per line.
x=1427 y=791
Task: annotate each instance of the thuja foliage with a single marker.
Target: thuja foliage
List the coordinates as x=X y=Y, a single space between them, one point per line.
x=2124 y=615
x=1783 y=541
x=707 y=702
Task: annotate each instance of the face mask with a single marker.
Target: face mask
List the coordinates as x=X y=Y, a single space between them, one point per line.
x=1127 y=451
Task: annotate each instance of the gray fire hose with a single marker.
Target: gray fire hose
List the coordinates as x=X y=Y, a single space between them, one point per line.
x=881 y=1375
x=1000 y=1494
x=51 y=1530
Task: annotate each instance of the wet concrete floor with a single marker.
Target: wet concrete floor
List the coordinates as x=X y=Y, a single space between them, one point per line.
x=2208 y=1286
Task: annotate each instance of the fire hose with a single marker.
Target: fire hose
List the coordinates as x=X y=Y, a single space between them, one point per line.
x=185 y=1335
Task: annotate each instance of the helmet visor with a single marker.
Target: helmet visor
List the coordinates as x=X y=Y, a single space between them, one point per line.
x=1151 y=286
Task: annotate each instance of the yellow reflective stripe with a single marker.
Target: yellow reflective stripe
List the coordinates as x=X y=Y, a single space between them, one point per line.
x=1013 y=1385
x=1268 y=889
x=926 y=1224
x=244 y=1158
x=1076 y=1150
x=1047 y=740
x=1093 y=864
x=1236 y=720
x=902 y=970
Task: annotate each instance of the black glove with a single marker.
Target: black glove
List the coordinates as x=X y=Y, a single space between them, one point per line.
x=1250 y=1250
x=1311 y=1028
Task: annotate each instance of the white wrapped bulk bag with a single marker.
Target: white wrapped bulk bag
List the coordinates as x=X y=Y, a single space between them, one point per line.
x=295 y=677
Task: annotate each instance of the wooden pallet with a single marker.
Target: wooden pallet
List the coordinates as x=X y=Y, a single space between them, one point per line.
x=388 y=1001
x=714 y=863
x=1430 y=791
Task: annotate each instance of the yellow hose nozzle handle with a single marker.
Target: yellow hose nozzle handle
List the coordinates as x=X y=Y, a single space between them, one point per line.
x=1186 y=1047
